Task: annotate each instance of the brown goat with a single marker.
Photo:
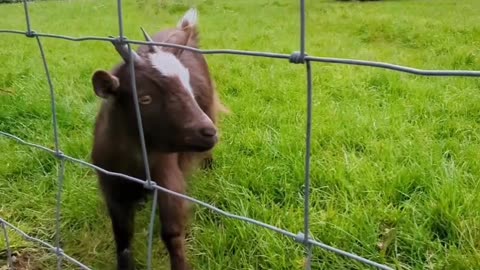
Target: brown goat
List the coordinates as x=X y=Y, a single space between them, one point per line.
x=179 y=106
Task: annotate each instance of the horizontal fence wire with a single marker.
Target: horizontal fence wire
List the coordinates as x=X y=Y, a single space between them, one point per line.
x=332 y=60
x=297 y=57
x=42 y=243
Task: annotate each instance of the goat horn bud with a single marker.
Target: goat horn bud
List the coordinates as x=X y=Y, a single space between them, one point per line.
x=148 y=38
x=122 y=49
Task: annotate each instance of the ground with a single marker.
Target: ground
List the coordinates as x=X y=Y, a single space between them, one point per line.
x=395 y=159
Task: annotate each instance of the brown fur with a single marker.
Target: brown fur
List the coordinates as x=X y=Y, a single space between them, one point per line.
x=177 y=137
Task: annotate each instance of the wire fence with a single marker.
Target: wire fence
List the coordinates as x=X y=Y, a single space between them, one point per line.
x=299 y=57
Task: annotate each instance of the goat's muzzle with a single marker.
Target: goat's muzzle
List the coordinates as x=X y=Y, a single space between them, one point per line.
x=202 y=136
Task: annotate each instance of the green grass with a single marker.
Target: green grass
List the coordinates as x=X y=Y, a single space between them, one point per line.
x=395 y=159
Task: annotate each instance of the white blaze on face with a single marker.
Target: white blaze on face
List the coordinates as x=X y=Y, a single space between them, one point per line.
x=167 y=64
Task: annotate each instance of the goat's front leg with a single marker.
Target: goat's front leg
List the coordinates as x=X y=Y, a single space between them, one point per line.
x=122 y=217
x=173 y=211
x=121 y=196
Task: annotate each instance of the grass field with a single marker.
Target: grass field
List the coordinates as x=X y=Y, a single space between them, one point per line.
x=395 y=159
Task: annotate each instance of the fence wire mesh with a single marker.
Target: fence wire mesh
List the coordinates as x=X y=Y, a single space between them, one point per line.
x=299 y=57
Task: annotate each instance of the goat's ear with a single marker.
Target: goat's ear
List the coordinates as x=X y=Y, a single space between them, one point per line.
x=104 y=83
x=179 y=37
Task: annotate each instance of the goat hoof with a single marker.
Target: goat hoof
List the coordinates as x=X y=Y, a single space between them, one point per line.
x=186 y=267
x=125 y=260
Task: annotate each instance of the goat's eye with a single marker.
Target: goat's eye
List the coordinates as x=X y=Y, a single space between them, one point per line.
x=145 y=99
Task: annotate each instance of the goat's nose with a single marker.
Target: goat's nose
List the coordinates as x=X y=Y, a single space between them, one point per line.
x=208 y=131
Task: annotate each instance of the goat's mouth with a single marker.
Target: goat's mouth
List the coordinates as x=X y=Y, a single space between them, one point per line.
x=199 y=148
x=200 y=144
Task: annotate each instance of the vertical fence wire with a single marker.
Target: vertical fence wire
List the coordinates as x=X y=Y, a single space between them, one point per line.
x=131 y=64
x=58 y=212
x=148 y=185
x=120 y=18
x=302 y=27
x=27 y=16
x=150 y=229
x=7 y=245
x=52 y=96
x=58 y=154
x=308 y=138
x=55 y=138
x=139 y=119
x=308 y=146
